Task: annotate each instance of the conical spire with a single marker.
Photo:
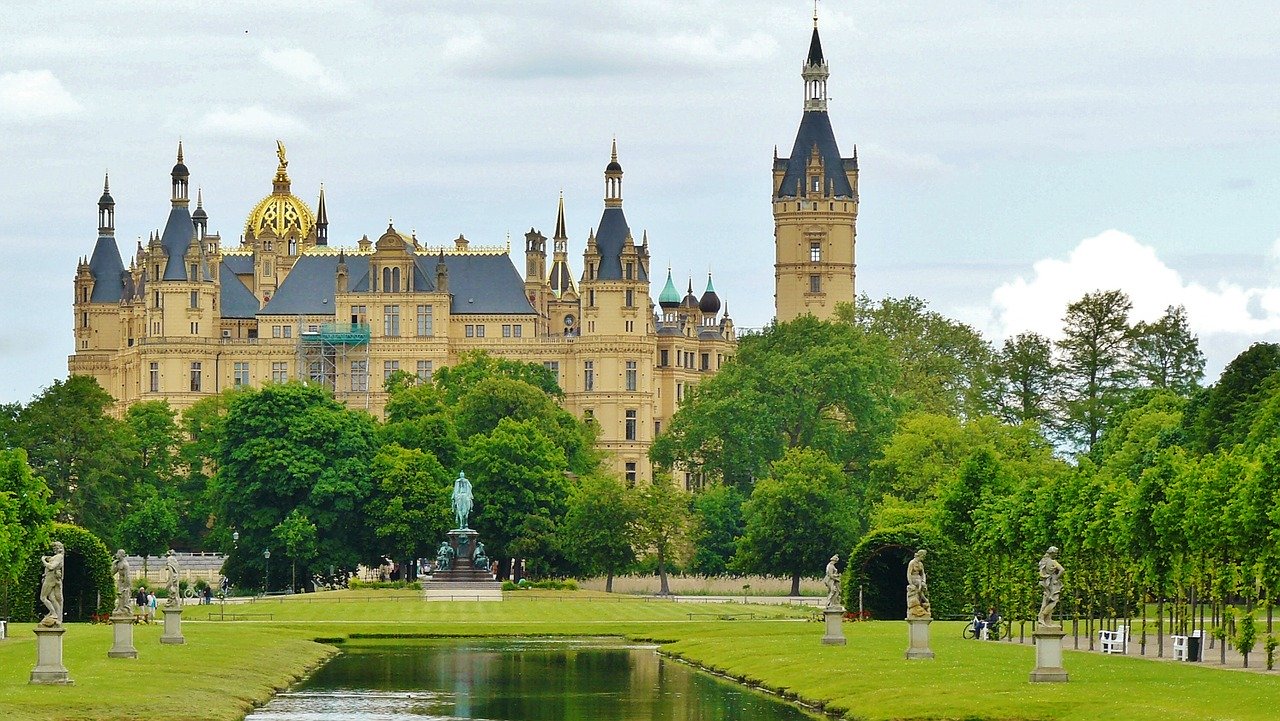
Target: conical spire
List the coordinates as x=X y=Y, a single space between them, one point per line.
x=670 y=297
x=560 y=231
x=322 y=220
x=106 y=209
x=199 y=205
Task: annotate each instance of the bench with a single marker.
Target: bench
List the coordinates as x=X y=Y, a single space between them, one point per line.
x=1180 y=645
x=239 y=616
x=724 y=616
x=1116 y=641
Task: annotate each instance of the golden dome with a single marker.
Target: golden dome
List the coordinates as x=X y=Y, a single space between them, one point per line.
x=282 y=213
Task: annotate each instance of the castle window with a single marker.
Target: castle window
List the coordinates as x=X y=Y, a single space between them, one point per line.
x=479 y=331
x=358 y=313
x=192 y=272
x=360 y=375
x=589 y=416
x=240 y=373
x=279 y=372
x=630 y=425
x=657 y=428
x=84 y=295
x=288 y=331
x=424 y=320
x=815 y=284
x=275 y=331
x=84 y=320
x=195 y=376
x=631 y=473
x=391 y=321
x=471 y=331
x=630 y=271
x=195 y=299
x=266 y=270
x=195 y=327
x=631 y=324
x=554 y=367
x=266 y=245
x=293 y=246
x=815 y=252
x=506 y=331
x=631 y=298
x=706 y=361
x=157 y=303
x=155 y=377
x=517 y=330
x=664 y=358
x=632 y=374
x=424 y=371
x=389 y=367
x=679 y=392
x=591 y=297
x=817 y=183
x=588 y=375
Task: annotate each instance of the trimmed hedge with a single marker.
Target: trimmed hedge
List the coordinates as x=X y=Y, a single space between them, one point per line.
x=944 y=565
x=87 y=585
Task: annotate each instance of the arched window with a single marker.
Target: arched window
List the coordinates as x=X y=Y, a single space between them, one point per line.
x=395 y=280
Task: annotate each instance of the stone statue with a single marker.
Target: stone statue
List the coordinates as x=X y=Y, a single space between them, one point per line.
x=480 y=560
x=1051 y=581
x=917 y=588
x=124 y=585
x=461 y=499
x=51 y=585
x=832 y=581
x=444 y=557
x=171 y=579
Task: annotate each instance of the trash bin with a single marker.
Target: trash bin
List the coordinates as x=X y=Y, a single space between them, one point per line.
x=1193 y=648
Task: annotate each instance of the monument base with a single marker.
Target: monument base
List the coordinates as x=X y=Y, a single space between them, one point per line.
x=122 y=635
x=49 y=668
x=918 y=638
x=1048 y=640
x=833 y=617
x=172 y=626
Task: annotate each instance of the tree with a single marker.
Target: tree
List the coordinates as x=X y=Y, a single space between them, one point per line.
x=945 y=365
x=1096 y=347
x=1227 y=411
x=804 y=383
x=797 y=517
x=292 y=446
x=717 y=512
x=297 y=535
x=1026 y=379
x=474 y=366
x=410 y=506
x=417 y=417
x=154 y=432
x=25 y=515
x=661 y=523
x=150 y=527
x=204 y=425
x=1165 y=353
x=490 y=400
x=598 y=525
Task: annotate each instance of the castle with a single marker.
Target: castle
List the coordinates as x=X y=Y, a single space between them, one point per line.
x=188 y=317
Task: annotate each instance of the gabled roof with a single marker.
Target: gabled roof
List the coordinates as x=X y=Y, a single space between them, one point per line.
x=234 y=298
x=815 y=130
x=107 y=270
x=238 y=264
x=310 y=285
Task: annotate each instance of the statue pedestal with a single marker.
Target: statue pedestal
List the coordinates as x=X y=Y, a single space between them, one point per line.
x=1048 y=640
x=49 y=668
x=463 y=569
x=122 y=630
x=833 y=617
x=918 y=637
x=172 y=625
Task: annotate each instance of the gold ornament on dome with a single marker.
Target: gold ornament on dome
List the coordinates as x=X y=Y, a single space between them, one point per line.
x=282 y=213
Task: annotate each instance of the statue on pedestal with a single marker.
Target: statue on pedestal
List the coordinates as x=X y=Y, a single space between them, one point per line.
x=444 y=557
x=832 y=581
x=480 y=560
x=51 y=585
x=462 y=499
x=917 y=588
x=171 y=584
x=124 y=585
x=1051 y=582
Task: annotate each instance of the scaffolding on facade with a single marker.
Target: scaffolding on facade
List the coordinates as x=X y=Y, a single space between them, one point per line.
x=336 y=355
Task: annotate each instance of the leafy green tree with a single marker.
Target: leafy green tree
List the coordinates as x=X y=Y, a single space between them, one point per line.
x=1095 y=351
x=490 y=400
x=81 y=452
x=944 y=364
x=154 y=433
x=961 y=497
x=410 y=508
x=805 y=383
x=517 y=471
x=297 y=535
x=1246 y=636
x=597 y=531
x=9 y=437
x=418 y=417
x=292 y=446
x=799 y=516
x=1166 y=354
x=1227 y=412
x=150 y=527
x=474 y=366
x=25 y=515
x=662 y=523
x=718 y=524
x=1026 y=378
x=203 y=426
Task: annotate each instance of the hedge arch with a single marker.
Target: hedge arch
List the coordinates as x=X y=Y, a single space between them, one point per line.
x=878 y=564
x=87 y=586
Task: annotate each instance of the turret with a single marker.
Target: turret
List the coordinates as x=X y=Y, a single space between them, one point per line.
x=179 y=176
x=200 y=219
x=442 y=274
x=322 y=220
x=106 y=209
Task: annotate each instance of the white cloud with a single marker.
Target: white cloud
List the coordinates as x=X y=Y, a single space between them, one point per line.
x=1116 y=260
x=304 y=67
x=34 y=95
x=252 y=122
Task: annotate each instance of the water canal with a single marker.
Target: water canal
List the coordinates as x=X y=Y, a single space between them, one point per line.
x=516 y=680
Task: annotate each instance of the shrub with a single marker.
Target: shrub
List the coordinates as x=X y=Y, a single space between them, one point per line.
x=357 y=584
x=1272 y=643
x=549 y=585
x=87 y=586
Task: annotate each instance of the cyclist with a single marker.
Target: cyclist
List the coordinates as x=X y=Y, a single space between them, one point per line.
x=993 y=623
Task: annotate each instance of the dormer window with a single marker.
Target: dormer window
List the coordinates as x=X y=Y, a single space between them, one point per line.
x=816 y=182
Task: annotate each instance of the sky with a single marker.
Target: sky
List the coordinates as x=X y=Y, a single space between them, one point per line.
x=1013 y=155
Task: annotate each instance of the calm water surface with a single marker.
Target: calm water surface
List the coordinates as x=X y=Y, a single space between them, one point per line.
x=516 y=680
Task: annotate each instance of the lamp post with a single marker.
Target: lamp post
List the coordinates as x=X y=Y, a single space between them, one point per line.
x=266 y=581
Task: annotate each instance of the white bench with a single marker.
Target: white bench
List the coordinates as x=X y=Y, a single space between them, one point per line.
x=1116 y=641
x=1180 y=645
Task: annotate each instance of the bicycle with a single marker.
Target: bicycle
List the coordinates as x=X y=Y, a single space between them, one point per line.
x=1000 y=631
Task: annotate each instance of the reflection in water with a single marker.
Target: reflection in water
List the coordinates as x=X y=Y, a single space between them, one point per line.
x=515 y=680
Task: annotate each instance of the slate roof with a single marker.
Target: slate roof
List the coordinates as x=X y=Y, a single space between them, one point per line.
x=234 y=298
x=178 y=232
x=486 y=284
x=238 y=264
x=107 y=270
x=610 y=236
x=310 y=285
x=815 y=49
x=815 y=129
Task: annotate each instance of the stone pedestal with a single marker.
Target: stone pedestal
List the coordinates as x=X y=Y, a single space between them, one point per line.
x=49 y=668
x=172 y=625
x=918 y=637
x=834 y=617
x=1048 y=640
x=122 y=631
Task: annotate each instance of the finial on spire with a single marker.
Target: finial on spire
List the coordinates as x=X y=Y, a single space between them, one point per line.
x=613 y=156
x=199 y=198
x=106 y=183
x=180 y=150
x=815 y=14
x=560 y=233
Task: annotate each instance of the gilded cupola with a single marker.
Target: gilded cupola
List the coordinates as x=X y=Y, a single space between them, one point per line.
x=281 y=214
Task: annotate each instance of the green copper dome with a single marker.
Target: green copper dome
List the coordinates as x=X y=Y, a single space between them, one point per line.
x=670 y=297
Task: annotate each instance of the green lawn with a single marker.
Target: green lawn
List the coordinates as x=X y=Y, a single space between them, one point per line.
x=227 y=667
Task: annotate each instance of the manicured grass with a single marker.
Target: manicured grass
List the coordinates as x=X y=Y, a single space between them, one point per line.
x=228 y=666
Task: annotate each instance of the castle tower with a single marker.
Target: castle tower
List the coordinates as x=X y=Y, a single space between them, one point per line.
x=562 y=307
x=615 y=282
x=815 y=208
x=536 y=287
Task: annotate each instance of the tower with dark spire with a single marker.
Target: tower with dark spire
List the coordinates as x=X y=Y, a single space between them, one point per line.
x=322 y=220
x=815 y=207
